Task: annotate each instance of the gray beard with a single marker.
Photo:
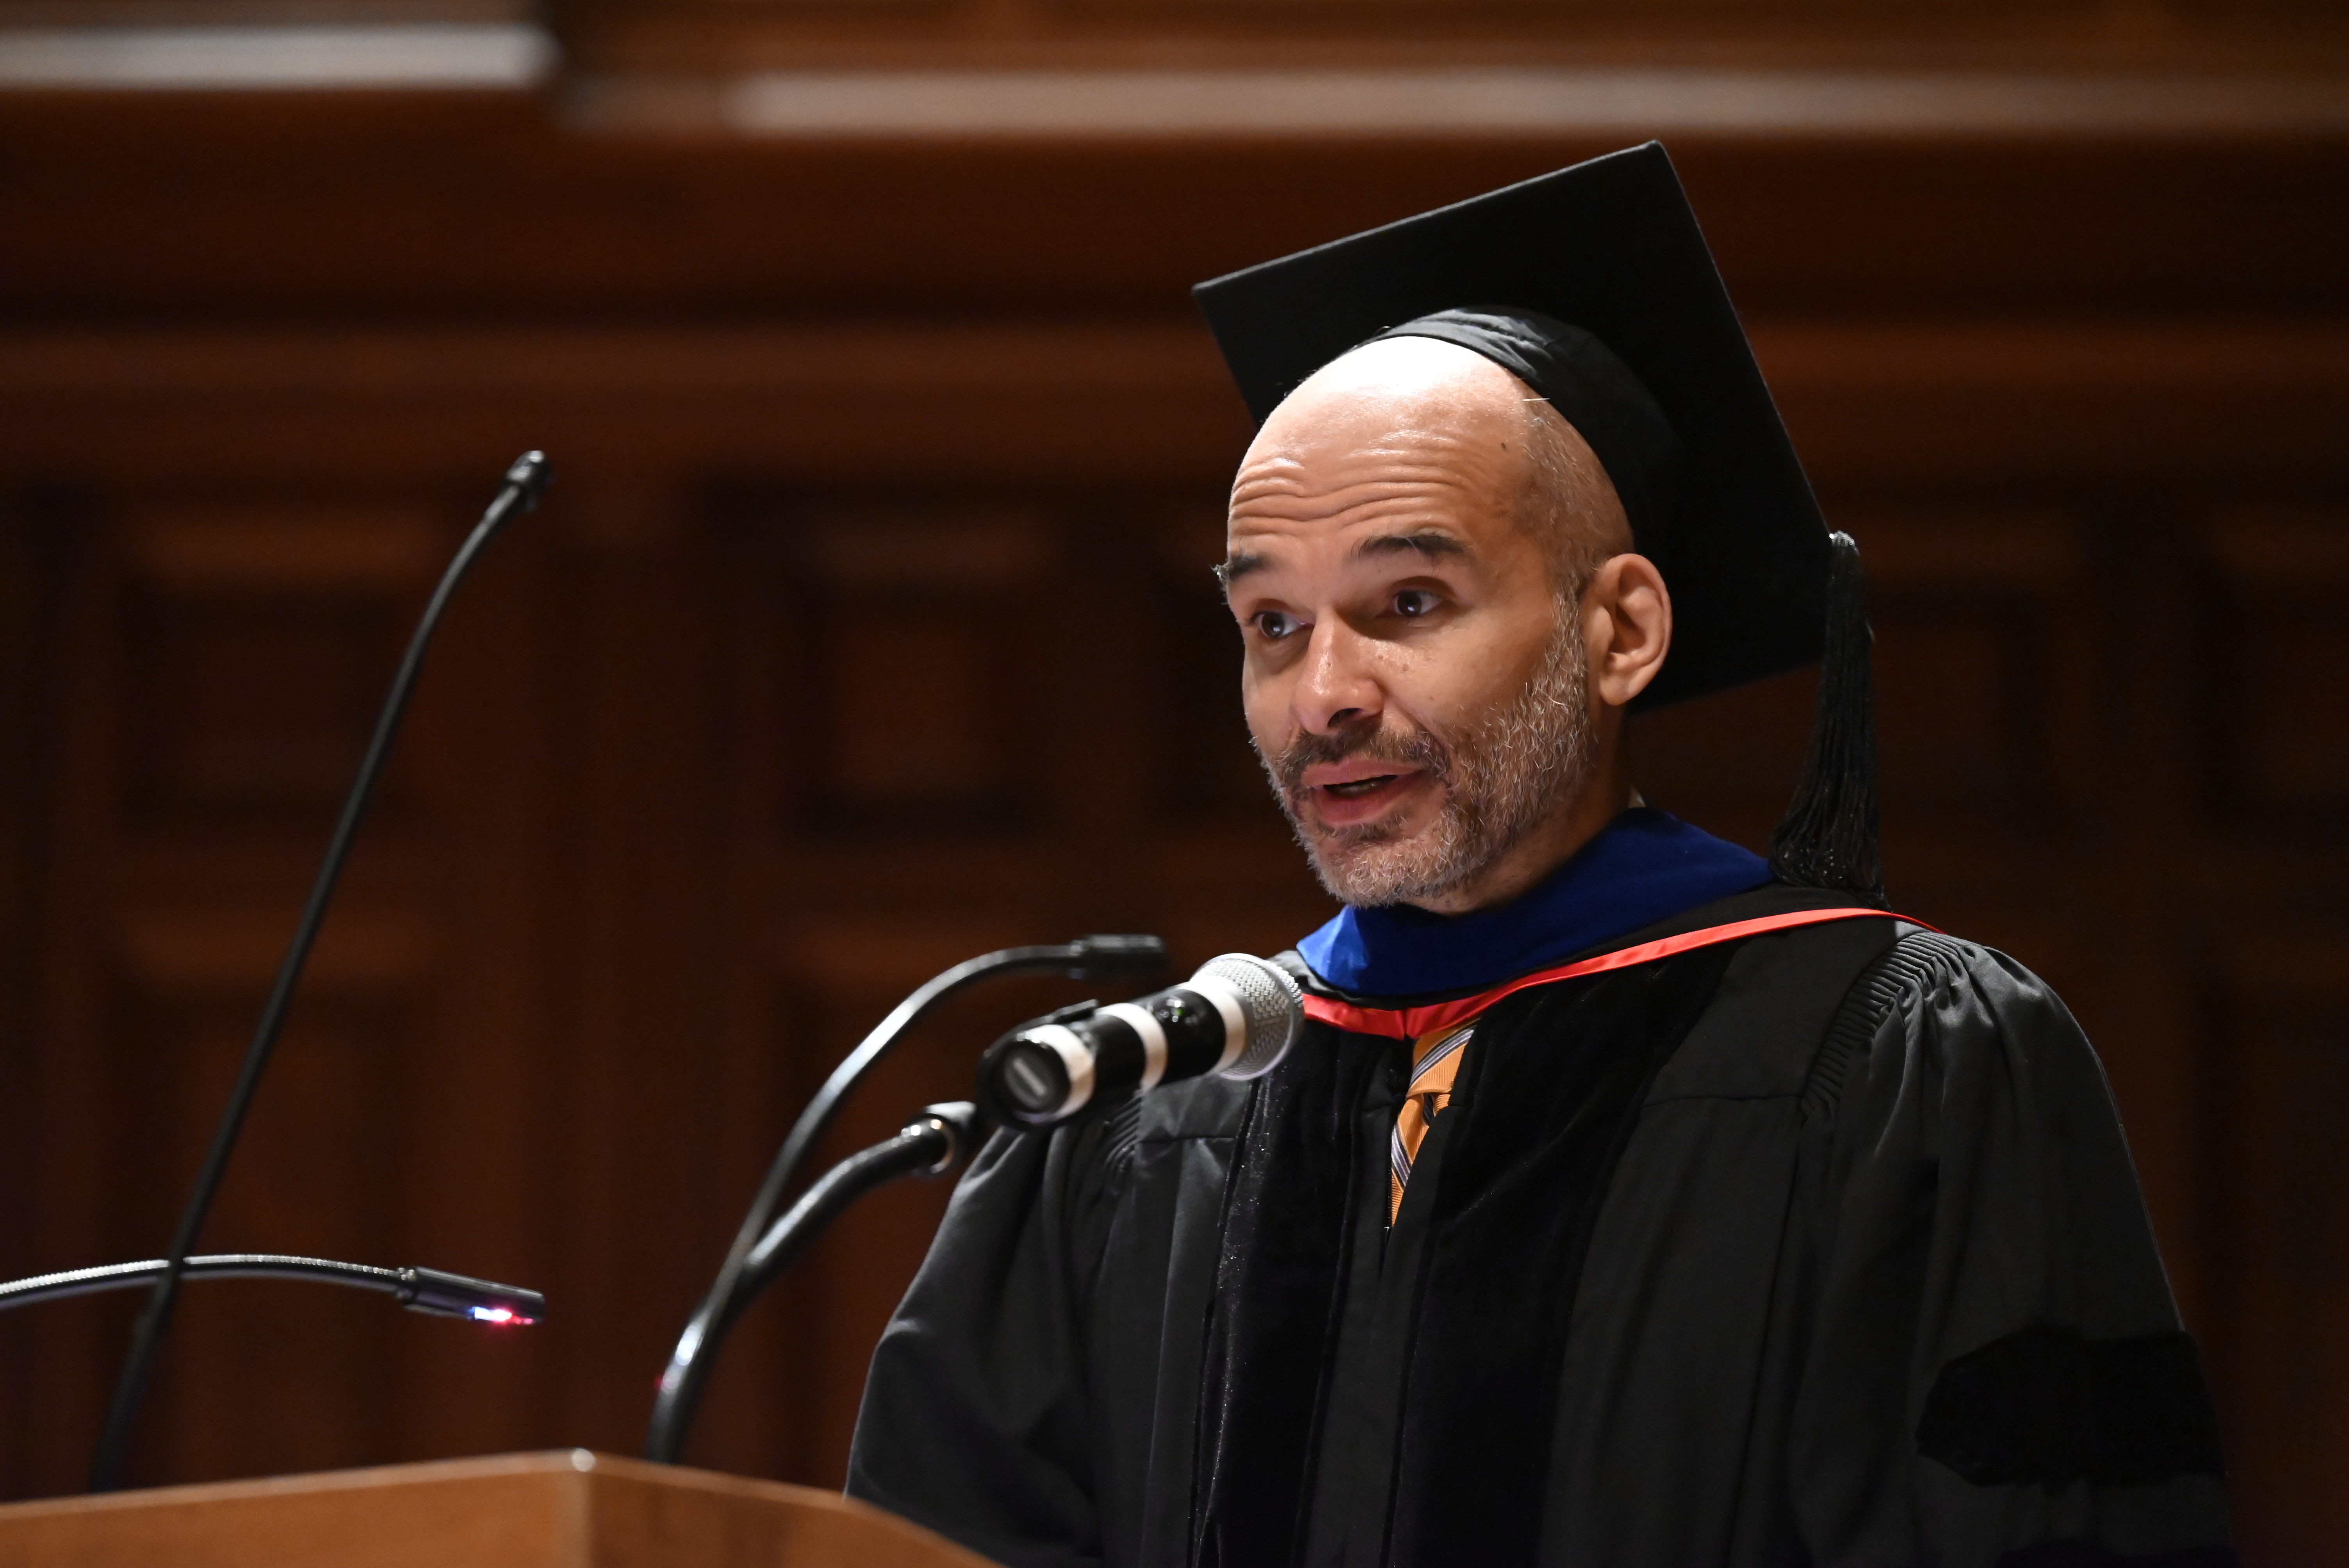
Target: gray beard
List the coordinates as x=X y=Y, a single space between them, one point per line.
x=1500 y=777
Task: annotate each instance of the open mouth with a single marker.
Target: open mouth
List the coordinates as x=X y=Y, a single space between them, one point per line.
x=1357 y=802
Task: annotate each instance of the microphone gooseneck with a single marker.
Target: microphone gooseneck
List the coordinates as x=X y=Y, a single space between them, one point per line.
x=929 y=1145
x=1237 y=1017
x=431 y=1291
x=1086 y=958
x=525 y=480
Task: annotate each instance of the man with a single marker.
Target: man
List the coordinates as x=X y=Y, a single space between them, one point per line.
x=1628 y=1198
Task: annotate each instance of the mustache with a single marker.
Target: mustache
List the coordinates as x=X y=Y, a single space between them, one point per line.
x=1409 y=749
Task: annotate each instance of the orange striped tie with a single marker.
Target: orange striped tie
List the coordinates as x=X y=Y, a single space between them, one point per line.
x=1435 y=1062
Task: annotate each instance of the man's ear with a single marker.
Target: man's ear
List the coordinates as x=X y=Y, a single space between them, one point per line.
x=1627 y=627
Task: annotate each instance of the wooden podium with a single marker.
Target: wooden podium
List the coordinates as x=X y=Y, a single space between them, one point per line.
x=565 y=1510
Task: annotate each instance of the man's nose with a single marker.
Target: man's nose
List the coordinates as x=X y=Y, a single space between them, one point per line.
x=1336 y=687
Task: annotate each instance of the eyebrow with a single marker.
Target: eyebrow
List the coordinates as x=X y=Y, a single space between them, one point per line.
x=1430 y=542
x=1235 y=567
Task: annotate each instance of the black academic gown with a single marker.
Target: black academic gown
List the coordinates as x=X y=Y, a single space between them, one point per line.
x=1821 y=1246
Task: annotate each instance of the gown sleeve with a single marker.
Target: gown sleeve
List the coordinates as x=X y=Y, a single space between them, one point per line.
x=974 y=1422
x=1997 y=1375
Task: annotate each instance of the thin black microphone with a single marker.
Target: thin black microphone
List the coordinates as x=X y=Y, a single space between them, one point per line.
x=524 y=481
x=1235 y=1017
x=929 y=1145
x=434 y=1291
x=1086 y=958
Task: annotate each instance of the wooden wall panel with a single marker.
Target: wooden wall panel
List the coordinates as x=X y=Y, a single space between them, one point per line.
x=908 y=642
x=2279 y=683
x=867 y=627
x=2280 y=1033
x=255 y=645
x=226 y=659
x=645 y=889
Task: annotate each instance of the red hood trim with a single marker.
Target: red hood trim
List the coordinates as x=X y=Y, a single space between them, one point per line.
x=1410 y=1023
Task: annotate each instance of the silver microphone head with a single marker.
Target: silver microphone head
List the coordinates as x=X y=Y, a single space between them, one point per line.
x=1269 y=1001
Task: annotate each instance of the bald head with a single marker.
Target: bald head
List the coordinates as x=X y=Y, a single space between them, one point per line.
x=1442 y=619
x=1422 y=401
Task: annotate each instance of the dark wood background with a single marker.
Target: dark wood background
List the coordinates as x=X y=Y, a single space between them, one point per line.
x=868 y=627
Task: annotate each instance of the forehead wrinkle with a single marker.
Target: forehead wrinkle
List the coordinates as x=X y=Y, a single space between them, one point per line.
x=1409 y=513
x=1428 y=543
x=1405 y=445
x=1403 y=484
x=1286 y=498
x=1399 y=456
x=1390 y=519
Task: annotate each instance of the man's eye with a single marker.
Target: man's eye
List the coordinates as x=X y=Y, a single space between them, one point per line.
x=1414 y=603
x=1273 y=625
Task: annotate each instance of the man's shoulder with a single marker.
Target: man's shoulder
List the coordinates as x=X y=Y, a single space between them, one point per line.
x=1806 y=960
x=1736 y=916
x=1793 y=1003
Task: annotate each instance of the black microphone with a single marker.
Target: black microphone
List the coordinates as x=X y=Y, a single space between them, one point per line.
x=1086 y=958
x=1235 y=1017
x=434 y=1291
x=525 y=480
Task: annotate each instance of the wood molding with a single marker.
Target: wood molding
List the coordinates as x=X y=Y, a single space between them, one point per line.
x=1468 y=101
x=1869 y=402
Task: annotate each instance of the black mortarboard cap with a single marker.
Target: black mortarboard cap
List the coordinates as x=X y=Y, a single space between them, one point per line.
x=1595 y=287
x=1652 y=366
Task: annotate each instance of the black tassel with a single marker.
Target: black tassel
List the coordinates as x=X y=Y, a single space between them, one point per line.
x=1827 y=840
